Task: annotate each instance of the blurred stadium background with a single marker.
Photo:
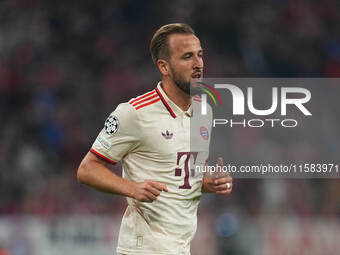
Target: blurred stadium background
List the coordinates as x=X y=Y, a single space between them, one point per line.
x=65 y=65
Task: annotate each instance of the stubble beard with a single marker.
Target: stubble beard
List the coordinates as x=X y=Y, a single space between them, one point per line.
x=180 y=82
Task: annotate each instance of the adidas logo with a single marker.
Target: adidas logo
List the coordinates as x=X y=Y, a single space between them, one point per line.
x=167 y=135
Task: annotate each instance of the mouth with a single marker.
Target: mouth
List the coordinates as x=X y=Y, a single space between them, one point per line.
x=196 y=75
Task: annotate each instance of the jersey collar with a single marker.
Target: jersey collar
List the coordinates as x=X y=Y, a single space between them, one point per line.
x=172 y=108
x=190 y=111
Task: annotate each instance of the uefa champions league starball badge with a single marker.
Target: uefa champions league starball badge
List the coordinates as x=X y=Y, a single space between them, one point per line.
x=111 y=125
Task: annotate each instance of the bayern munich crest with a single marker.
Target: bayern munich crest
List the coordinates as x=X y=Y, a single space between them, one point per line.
x=111 y=125
x=204 y=133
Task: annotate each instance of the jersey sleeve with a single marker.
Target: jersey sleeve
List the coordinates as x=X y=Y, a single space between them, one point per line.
x=119 y=135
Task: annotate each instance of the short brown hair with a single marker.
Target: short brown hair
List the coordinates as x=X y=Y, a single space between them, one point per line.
x=159 y=47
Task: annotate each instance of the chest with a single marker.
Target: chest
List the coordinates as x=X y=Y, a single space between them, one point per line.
x=166 y=135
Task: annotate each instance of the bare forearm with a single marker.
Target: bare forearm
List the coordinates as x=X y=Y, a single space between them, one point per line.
x=98 y=176
x=94 y=173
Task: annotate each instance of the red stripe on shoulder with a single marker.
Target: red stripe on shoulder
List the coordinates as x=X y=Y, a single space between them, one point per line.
x=142 y=96
x=148 y=103
x=145 y=99
x=197 y=100
x=102 y=156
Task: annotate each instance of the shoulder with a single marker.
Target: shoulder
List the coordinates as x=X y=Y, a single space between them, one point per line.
x=197 y=104
x=197 y=98
x=138 y=102
x=147 y=105
x=144 y=100
x=136 y=108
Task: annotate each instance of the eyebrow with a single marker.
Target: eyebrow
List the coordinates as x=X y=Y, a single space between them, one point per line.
x=190 y=52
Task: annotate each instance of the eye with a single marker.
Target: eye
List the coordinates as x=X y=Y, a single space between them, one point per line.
x=187 y=56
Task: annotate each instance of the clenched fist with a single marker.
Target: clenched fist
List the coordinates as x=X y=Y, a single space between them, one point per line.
x=147 y=191
x=218 y=182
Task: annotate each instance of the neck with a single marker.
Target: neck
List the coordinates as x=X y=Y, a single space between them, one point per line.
x=176 y=95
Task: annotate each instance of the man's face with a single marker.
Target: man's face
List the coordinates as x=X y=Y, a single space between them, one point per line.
x=185 y=60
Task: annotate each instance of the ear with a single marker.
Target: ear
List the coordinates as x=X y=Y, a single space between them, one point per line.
x=163 y=66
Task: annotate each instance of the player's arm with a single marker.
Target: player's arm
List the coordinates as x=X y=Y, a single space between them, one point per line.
x=95 y=173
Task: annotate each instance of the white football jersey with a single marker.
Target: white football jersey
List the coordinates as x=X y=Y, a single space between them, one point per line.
x=150 y=135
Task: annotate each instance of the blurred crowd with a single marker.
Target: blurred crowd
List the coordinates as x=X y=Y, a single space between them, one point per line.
x=65 y=65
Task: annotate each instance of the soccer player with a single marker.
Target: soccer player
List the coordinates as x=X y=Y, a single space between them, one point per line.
x=150 y=136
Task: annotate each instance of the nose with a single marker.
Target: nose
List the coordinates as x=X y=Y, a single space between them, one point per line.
x=198 y=62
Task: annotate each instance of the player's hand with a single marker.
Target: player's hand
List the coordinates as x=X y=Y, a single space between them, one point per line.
x=220 y=183
x=223 y=185
x=147 y=191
